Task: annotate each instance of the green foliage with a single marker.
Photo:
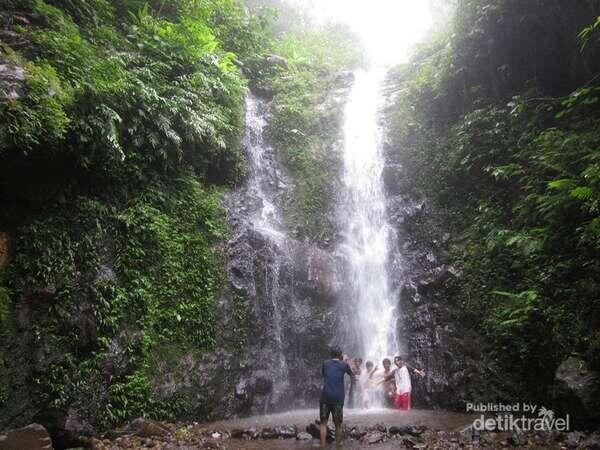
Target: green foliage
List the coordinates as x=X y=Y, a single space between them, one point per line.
x=246 y=35
x=39 y=118
x=330 y=48
x=589 y=32
x=517 y=178
x=305 y=124
x=170 y=246
x=159 y=92
x=515 y=313
x=137 y=278
x=129 y=117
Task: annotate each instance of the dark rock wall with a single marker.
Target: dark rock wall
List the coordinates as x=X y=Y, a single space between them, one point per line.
x=430 y=330
x=288 y=287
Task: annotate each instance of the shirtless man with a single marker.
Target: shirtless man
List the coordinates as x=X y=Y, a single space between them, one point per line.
x=369 y=385
x=389 y=387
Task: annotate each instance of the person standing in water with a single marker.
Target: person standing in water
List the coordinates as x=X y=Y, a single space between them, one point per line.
x=389 y=386
x=369 y=386
x=401 y=376
x=355 y=391
x=332 y=395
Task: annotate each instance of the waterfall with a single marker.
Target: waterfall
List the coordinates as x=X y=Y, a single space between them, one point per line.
x=291 y=284
x=263 y=176
x=369 y=307
x=264 y=181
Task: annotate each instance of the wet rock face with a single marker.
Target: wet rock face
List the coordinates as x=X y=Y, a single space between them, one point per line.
x=576 y=392
x=433 y=337
x=288 y=288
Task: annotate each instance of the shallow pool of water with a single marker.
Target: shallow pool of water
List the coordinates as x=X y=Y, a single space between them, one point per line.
x=436 y=420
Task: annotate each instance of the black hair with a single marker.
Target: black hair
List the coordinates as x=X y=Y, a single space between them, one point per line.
x=369 y=364
x=336 y=353
x=387 y=360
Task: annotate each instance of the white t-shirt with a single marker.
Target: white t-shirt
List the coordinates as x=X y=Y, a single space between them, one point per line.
x=402 y=378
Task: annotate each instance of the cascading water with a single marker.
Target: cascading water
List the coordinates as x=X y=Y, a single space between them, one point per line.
x=262 y=175
x=368 y=327
x=291 y=284
x=263 y=181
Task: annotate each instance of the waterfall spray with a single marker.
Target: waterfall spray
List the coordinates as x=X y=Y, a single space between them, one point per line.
x=370 y=308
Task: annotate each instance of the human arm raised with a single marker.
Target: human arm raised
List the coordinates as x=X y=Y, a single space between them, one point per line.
x=420 y=372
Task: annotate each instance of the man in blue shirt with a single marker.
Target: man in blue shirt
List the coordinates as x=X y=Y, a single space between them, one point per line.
x=332 y=395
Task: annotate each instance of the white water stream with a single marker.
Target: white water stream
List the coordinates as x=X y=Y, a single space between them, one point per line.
x=263 y=181
x=370 y=308
x=368 y=313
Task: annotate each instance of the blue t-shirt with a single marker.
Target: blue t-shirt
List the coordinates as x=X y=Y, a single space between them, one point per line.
x=333 y=371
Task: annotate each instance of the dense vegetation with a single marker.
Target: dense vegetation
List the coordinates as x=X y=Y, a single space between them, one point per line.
x=129 y=114
x=117 y=142
x=502 y=110
x=120 y=126
x=306 y=120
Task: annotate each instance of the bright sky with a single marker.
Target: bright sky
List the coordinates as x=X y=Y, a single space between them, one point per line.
x=389 y=28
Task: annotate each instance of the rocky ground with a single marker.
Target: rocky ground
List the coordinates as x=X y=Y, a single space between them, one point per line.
x=377 y=437
x=414 y=430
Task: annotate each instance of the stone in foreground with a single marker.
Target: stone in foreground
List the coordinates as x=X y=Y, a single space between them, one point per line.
x=31 y=437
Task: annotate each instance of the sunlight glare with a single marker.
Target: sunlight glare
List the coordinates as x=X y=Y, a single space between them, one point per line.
x=388 y=28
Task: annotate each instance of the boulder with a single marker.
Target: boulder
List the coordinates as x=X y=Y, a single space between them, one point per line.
x=593 y=441
x=410 y=442
x=66 y=427
x=573 y=439
x=356 y=433
x=268 y=433
x=576 y=391
x=146 y=428
x=313 y=430
x=304 y=436
x=286 y=431
x=237 y=433
x=413 y=430
x=31 y=437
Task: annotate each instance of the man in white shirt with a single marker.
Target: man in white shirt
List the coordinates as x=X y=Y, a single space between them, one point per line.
x=402 y=398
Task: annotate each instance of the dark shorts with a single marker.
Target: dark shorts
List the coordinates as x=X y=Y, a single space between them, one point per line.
x=336 y=411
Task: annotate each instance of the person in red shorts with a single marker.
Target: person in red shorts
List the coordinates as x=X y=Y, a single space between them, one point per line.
x=402 y=398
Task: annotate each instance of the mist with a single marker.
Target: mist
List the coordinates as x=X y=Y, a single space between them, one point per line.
x=388 y=29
